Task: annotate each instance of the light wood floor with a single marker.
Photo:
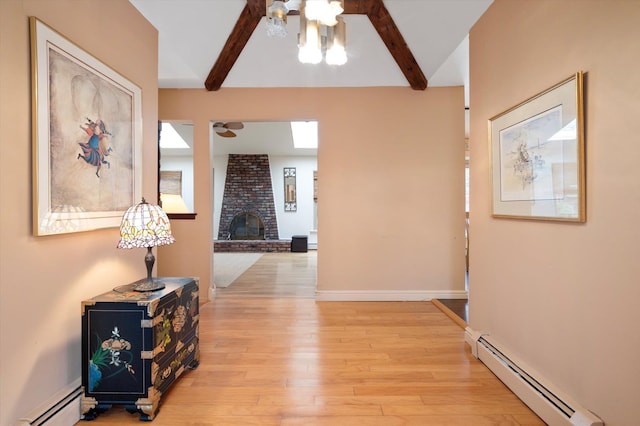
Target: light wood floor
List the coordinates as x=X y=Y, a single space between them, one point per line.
x=276 y=275
x=294 y=361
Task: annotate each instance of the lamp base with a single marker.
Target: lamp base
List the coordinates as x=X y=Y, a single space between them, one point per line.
x=147 y=284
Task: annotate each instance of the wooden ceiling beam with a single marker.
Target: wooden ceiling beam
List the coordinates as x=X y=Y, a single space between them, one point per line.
x=359 y=7
x=378 y=14
x=240 y=35
x=258 y=7
x=392 y=38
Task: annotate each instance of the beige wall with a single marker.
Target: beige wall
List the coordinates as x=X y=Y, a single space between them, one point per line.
x=563 y=297
x=44 y=279
x=391 y=184
x=391 y=154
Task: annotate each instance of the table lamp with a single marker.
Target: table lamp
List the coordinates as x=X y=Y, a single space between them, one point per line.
x=145 y=225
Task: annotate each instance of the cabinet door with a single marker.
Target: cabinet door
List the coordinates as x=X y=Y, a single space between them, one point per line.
x=175 y=333
x=176 y=319
x=112 y=345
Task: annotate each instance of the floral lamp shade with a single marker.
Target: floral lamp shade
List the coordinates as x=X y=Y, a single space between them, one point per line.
x=145 y=226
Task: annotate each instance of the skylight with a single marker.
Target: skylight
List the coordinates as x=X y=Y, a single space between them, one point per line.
x=170 y=139
x=305 y=134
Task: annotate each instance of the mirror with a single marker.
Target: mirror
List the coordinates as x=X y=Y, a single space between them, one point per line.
x=175 y=174
x=290 y=189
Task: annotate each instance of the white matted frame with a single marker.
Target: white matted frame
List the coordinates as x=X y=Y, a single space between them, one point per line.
x=87 y=137
x=537 y=153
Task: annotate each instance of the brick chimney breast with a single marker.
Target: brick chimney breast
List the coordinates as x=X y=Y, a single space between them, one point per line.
x=248 y=189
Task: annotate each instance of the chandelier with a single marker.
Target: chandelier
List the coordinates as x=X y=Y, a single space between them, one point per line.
x=322 y=30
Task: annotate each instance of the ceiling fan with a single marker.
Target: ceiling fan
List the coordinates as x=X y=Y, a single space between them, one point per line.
x=224 y=129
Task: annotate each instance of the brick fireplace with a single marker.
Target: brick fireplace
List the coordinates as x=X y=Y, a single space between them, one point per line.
x=248 y=193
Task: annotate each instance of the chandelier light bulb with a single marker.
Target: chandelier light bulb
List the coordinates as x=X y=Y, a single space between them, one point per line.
x=322 y=32
x=310 y=41
x=323 y=11
x=277 y=19
x=315 y=9
x=336 y=55
x=337 y=38
x=336 y=7
x=311 y=51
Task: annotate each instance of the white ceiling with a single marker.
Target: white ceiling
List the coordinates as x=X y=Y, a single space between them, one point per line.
x=192 y=33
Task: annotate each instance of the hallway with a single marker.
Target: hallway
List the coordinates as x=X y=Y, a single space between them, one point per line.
x=294 y=361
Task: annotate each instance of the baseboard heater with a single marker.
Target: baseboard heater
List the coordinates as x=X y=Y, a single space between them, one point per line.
x=62 y=409
x=550 y=405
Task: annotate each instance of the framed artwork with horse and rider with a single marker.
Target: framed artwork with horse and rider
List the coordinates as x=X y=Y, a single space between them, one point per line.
x=87 y=137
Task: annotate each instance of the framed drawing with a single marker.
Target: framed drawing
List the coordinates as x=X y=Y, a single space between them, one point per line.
x=537 y=156
x=87 y=137
x=290 y=201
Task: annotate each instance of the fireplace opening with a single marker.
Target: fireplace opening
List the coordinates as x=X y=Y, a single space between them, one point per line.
x=246 y=226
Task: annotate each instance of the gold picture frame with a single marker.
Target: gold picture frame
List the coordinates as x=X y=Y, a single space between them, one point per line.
x=537 y=156
x=87 y=137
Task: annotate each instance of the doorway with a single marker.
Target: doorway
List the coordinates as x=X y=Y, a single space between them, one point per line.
x=293 y=216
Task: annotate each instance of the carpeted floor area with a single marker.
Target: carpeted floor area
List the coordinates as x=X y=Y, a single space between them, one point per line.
x=276 y=275
x=227 y=267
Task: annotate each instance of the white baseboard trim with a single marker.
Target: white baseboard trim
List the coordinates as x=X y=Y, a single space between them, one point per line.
x=388 y=295
x=538 y=393
x=62 y=409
